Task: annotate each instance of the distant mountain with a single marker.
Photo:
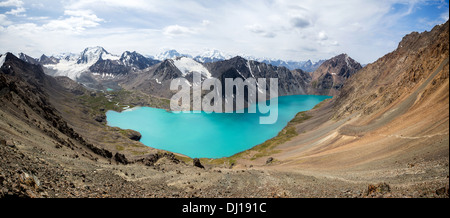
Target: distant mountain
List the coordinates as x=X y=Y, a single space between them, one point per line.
x=289 y=82
x=329 y=78
x=156 y=80
x=28 y=59
x=211 y=56
x=134 y=59
x=214 y=55
x=97 y=68
x=92 y=60
x=307 y=66
x=93 y=54
x=170 y=54
x=48 y=60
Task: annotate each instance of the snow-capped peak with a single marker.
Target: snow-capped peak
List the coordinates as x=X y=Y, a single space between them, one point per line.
x=212 y=55
x=91 y=55
x=67 y=56
x=170 y=54
x=127 y=57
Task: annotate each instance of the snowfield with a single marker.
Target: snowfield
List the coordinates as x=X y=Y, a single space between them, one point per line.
x=188 y=65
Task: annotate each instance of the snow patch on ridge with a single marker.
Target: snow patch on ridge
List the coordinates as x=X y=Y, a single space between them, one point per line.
x=188 y=65
x=69 y=68
x=2 y=59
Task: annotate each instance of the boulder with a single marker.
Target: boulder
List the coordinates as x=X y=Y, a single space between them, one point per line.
x=381 y=188
x=134 y=135
x=442 y=191
x=121 y=158
x=269 y=160
x=197 y=163
x=100 y=118
x=29 y=180
x=10 y=143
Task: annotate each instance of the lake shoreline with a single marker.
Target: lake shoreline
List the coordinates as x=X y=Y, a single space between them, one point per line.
x=216 y=135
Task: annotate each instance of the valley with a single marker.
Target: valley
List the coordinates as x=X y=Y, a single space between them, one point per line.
x=385 y=132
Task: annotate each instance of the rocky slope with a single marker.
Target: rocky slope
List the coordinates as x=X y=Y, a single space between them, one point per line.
x=390 y=122
x=329 y=78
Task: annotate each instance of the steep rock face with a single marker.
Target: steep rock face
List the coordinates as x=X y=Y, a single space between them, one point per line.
x=154 y=80
x=134 y=59
x=128 y=62
x=28 y=59
x=329 y=78
x=109 y=67
x=166 y=71
x=43 y=60
x=398 y=73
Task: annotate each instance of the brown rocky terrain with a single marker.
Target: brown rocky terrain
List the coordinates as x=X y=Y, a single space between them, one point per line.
x=386 y=134
x=329 y=78
x=390 y=123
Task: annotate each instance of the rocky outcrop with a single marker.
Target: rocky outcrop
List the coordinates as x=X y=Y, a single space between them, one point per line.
x=151 y=159
x=379 y=189
x=134 y=135
x=120 y=158
x=100 y=118
x=197 y=163
x=269 y=160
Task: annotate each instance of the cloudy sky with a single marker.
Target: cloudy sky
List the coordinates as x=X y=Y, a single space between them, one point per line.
x=282 y=29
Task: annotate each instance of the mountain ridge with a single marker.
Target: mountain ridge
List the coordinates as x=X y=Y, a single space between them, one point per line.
x=386 y=134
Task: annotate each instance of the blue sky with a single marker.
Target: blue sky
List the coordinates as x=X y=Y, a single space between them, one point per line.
x=281 y=29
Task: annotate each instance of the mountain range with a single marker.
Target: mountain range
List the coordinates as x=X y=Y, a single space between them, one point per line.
x=385 y=133
x=96 y=68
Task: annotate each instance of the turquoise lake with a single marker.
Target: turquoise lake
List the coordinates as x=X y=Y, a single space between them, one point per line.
x=209 y=135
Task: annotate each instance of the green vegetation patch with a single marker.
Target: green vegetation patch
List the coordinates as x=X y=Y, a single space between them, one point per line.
x=290 y=131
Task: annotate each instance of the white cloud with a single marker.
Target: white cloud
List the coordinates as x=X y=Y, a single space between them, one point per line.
x=206 y=22
x=76 y=23
x=18 y=4
x=11 y=3
x=174 y=30
x=17 y=11
x=4 y=20
x=38 y=18
x=322 y=36
x=285 y=29
x=260 y=30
